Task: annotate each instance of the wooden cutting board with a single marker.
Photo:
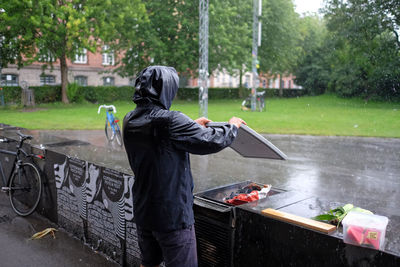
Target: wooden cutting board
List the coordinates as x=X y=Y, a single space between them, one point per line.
x=304 y=222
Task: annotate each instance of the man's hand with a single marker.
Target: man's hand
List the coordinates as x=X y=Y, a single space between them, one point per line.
x=202 y=121
x=236 y=121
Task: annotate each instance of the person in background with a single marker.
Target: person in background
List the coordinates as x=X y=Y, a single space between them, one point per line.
x=158 y=142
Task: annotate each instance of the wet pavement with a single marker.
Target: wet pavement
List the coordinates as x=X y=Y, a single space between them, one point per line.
x=349 y=169
x=340 y=170
x=17 y=249
x=361 y=171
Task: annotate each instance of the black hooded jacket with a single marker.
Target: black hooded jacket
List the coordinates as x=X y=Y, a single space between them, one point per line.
x=158 y=142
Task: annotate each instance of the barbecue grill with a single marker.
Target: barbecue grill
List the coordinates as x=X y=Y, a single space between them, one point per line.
x=215 y=224
x=215 y=220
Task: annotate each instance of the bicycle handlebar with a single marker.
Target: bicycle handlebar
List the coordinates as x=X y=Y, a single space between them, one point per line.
x=261 y=93
x=23 y=136
x=107 y=107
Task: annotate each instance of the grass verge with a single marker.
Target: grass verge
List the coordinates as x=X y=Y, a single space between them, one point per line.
x=318 y=115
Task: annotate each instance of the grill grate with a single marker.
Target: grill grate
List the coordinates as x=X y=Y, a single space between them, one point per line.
x=215 y=225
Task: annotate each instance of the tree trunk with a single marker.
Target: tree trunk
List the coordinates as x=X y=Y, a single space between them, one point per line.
x=64 y=79
x=280 y=86
x=241 y=89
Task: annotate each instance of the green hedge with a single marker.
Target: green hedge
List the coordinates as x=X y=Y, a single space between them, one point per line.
x=49 y=94
x=213 y=93
x=102 y=94
x=43 y=94
x=12 y=94
x=233 y=93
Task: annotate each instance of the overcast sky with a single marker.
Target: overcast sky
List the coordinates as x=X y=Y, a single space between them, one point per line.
x=307 y=5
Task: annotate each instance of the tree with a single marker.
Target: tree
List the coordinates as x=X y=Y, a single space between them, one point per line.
x=10 y=29
x=359 y=55
x=61 y=29
x=279 y=49
x=366 y=58
x=230 y=35
x=231 y=27
x=313 y=68
x=170 y=37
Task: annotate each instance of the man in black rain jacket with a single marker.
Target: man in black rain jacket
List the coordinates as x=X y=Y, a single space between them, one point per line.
x=158 y=142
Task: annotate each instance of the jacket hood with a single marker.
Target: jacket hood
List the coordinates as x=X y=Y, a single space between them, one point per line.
x=157 y=85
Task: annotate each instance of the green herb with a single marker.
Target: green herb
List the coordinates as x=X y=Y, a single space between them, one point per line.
x=335 y=216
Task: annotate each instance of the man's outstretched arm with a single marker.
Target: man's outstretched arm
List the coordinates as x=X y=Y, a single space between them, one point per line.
x=194 y=137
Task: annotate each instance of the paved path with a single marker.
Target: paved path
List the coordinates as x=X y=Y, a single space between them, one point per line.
x=351 y=169
x=16 y=248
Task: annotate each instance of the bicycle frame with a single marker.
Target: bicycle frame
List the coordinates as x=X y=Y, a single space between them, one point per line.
x=111 y=120
x=260 y=102
x=17 y=161
x=112 y=129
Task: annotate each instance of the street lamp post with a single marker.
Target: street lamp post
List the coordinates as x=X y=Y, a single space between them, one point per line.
x=1 y=43
x=1 y=64
x=257 y=7
x=203 y=60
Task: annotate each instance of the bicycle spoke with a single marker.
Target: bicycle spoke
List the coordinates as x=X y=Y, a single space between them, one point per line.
x=25 y=189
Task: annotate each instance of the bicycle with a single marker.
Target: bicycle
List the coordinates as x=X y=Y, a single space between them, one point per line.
x=260 y=102
x=112 y=128
x=24 y=184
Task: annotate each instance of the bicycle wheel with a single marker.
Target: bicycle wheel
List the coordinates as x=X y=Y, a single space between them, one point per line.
x=25 y=189
x=118 y=135
x=109 y=131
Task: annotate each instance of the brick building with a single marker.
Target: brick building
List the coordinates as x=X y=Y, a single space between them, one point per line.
x=96 y=69
x=88 y=68
x=225 y=80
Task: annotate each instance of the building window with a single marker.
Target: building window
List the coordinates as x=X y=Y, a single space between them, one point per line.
x=108 y=81
x=289 y=84
x=81 y=56
x=47 y=80
x=264 y=82
x=46 y=58
x=108 y=56
x=81 y=80
x=9 y=80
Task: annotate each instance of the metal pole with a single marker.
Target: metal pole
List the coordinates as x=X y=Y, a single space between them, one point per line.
x=1 y=64
x=257 y=7
x=203 y=58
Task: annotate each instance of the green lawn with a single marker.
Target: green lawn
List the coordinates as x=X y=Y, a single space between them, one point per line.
x=318 y=115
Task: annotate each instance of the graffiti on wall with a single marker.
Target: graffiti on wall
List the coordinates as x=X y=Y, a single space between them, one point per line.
x=96 y=204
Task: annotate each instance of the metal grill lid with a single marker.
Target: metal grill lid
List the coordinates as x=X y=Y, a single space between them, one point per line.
x=251 y=144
